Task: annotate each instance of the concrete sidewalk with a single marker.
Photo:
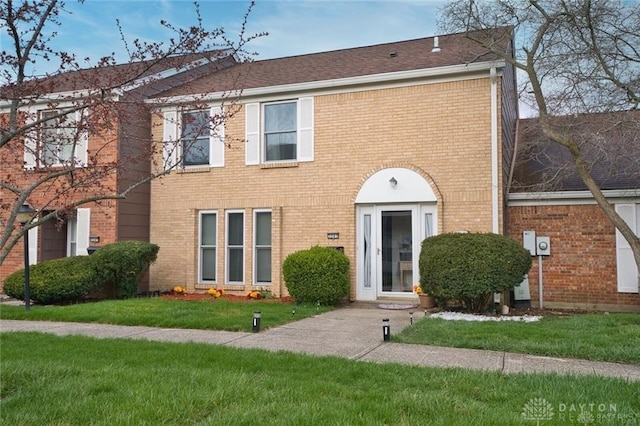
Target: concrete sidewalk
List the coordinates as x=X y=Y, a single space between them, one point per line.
x=351 y=332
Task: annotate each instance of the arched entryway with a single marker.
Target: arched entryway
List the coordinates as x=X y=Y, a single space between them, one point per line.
x=396 y=208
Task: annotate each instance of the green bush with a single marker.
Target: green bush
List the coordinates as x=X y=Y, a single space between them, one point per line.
x=319 y=274
x=54 y=281
x=124 y=263
x=471 y=267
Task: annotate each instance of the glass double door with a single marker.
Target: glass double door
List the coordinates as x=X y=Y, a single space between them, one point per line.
x=389 y=247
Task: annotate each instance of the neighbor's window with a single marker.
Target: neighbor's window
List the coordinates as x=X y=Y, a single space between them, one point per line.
x=235 y=247
x=208 y=238
x=195 y=137
x=58 y=138
x=280 y=134
x=262 y=256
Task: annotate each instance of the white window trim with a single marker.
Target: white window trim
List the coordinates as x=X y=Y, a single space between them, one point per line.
x=200 y=279
x=83 y=231
x=226 y=246
x=255 y=247
x=627 y=271
x=254 y=131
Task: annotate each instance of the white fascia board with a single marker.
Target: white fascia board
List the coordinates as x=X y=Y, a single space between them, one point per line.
x=60 y=98
x=568 y=197
x=448 y=73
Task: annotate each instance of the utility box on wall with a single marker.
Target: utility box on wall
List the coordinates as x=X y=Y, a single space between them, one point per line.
x=529 y=241
x=543 y=246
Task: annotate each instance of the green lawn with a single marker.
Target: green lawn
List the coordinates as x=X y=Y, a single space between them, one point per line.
x=76 y=380
x=602 y=337
x=211 y=314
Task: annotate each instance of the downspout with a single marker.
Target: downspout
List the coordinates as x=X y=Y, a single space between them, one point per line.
x=512 y=168
x=495 y=202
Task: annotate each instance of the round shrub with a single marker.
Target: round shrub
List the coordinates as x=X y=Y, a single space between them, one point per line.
x=471 y=267
x=319 y=274
x=54 y=281
x=124 y=263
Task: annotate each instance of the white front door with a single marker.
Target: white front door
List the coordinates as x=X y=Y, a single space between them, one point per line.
x=389 y=238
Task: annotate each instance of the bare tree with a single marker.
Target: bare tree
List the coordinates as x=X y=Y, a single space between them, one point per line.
x=101 y=102
x=579 y=57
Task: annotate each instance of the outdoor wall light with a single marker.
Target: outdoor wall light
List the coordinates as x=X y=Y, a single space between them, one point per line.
x=256 y=321
x=386 y=330
x=24 y=216
x=393 y=182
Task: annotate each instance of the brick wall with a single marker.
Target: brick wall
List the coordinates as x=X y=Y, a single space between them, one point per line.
x=103 y=215
x=441 y=130
x=580 y=273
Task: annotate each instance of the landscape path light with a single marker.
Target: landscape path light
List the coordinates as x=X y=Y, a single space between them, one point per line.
x=386 y=330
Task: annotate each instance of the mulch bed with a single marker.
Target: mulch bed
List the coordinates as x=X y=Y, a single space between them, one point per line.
x=232 y=297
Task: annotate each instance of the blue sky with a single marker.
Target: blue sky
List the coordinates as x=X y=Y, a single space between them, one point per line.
x=294 y=27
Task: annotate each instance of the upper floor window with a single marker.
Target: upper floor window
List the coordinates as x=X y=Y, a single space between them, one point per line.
x=59 y=140
x=199 y=142
x=195 y=138
x=279 y=131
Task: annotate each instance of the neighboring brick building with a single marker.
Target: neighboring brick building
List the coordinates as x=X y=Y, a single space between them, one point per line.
x=590 y=265
x=369 y=149
x=89 y=141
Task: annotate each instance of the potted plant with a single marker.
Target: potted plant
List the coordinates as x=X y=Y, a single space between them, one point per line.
x=426 y=300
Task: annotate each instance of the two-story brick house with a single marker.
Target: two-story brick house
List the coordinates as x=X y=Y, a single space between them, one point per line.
x=81 y=147
x=369 y=150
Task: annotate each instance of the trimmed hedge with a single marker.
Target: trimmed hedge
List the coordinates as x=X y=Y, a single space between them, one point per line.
x=124 y=263
x=72 y=278
x=471 y=267
x=54 y=281
x=318 y=274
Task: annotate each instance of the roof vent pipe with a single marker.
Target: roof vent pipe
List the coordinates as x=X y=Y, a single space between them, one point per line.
x=436 y=45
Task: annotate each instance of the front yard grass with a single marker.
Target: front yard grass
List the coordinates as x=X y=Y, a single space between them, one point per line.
x=598 y=337
x=219 y=314
x=73 y=380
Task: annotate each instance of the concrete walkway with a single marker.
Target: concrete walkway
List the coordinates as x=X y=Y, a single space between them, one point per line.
x=351 y=332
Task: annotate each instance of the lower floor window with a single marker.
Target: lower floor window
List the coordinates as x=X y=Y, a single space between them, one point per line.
x=262 y=249
x=208 y=249
x=235 y=247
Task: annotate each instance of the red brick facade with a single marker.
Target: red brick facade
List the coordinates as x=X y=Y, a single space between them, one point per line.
x=581 y=272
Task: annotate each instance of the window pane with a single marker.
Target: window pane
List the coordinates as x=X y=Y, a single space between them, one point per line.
x=263 y=228
x=428 y=225
x=208 y=262
x=263 y=265
x=367 y=250
x=195 y=137
x=57 y=138
x=235 y=265
x=235 y=234
x=280 y=146
x=280 y=117
x=208 y=230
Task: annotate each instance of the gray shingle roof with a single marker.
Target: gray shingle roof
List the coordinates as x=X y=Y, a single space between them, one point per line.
x=455 y=49
x=609 y=142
